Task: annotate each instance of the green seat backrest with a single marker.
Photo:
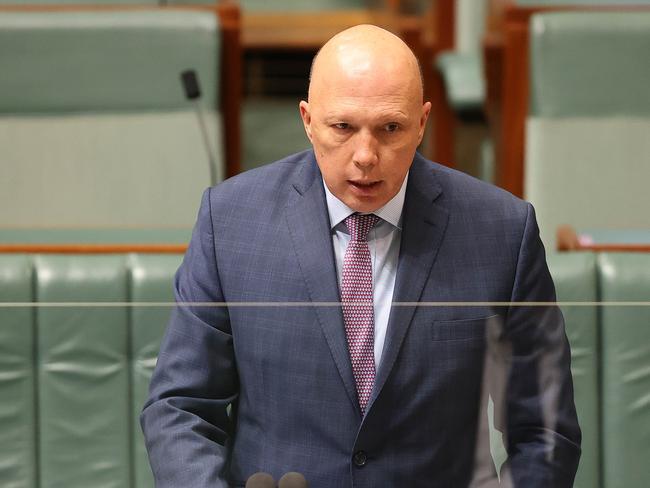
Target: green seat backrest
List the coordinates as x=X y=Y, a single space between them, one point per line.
x=18 y=441
x=625 y=369
x=462 y=67
x=587 y=149
x=73 y=379
x=94 y=126
x=272 y=130
x=575 y=280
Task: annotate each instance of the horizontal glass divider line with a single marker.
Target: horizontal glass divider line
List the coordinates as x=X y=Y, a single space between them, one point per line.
x=319 y=304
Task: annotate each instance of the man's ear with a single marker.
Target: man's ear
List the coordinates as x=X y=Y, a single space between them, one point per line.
x=305 y=115
x=426 y=109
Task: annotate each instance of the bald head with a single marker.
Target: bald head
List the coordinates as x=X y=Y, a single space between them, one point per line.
x=366 y=52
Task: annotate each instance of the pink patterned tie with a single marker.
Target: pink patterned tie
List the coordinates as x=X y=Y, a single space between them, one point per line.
x=356 y=297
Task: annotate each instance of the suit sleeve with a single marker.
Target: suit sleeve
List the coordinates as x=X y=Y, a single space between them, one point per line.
x=185 y=419
x=543 y=437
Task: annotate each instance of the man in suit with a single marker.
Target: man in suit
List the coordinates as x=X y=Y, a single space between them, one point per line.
x=324 y=299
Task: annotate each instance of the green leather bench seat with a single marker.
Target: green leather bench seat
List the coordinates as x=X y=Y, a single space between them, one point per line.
x=94 y=126
x=73 y=379
x=625 y=369
x=17 y=375
x=587 y=151
x=576 y=281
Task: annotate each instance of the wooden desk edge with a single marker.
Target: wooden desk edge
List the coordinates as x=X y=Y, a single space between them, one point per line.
x=92 y=248
x=568 y=240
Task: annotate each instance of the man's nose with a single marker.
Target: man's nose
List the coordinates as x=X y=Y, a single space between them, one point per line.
x=365 y=153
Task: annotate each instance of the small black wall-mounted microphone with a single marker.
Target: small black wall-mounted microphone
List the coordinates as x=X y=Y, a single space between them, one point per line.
x=192 y=89
x=191 y=84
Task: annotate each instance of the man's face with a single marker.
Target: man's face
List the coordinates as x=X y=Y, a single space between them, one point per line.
x=364 y=132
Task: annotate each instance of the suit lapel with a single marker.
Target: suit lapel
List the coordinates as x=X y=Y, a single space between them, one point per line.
x=423 y=227
x=309 y=227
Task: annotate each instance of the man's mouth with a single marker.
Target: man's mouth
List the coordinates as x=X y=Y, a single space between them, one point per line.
x=364 y=184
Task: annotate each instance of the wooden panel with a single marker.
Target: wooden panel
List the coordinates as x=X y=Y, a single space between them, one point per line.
x=443 y=117
x=304 y=30
x=568 y=240
x=93 y=248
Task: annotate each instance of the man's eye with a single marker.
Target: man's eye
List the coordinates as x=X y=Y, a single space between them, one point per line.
x=392 y=127
x=341 y=126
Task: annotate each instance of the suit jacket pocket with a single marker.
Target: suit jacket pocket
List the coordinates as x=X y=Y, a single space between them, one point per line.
x=463 y=329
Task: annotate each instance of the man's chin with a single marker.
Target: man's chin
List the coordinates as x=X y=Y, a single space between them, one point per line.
x=365 y=205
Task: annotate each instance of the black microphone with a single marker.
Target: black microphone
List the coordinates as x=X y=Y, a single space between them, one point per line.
x=193 y=92
x=293 y=480
x=260 y=480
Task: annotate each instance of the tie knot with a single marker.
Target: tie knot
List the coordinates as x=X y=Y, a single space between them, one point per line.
x=359 y=225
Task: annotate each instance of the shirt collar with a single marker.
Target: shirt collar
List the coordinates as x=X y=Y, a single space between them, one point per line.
x=391 y=212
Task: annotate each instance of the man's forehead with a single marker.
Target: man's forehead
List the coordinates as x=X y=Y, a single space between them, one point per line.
x=365 y=58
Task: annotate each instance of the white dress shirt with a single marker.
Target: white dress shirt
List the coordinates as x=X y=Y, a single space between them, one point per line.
x=383 y=242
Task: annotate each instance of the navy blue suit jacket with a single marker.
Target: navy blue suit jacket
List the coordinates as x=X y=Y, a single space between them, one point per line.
x=282 y=362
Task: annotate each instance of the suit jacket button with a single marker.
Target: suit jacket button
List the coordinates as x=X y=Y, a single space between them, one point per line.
x=360 y=459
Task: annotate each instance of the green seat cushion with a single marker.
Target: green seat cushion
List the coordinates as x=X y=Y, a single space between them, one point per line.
x=17 y=375
x=84 y=433
x=575 y=280
x=625 y=369
x=75 y=367
x=151 y=280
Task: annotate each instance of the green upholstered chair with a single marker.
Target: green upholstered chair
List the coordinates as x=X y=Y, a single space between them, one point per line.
x=461 y=67
x=625 y=369
x=95 y=130
x=587 y=147
x=575 y=278
x=73 y=379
